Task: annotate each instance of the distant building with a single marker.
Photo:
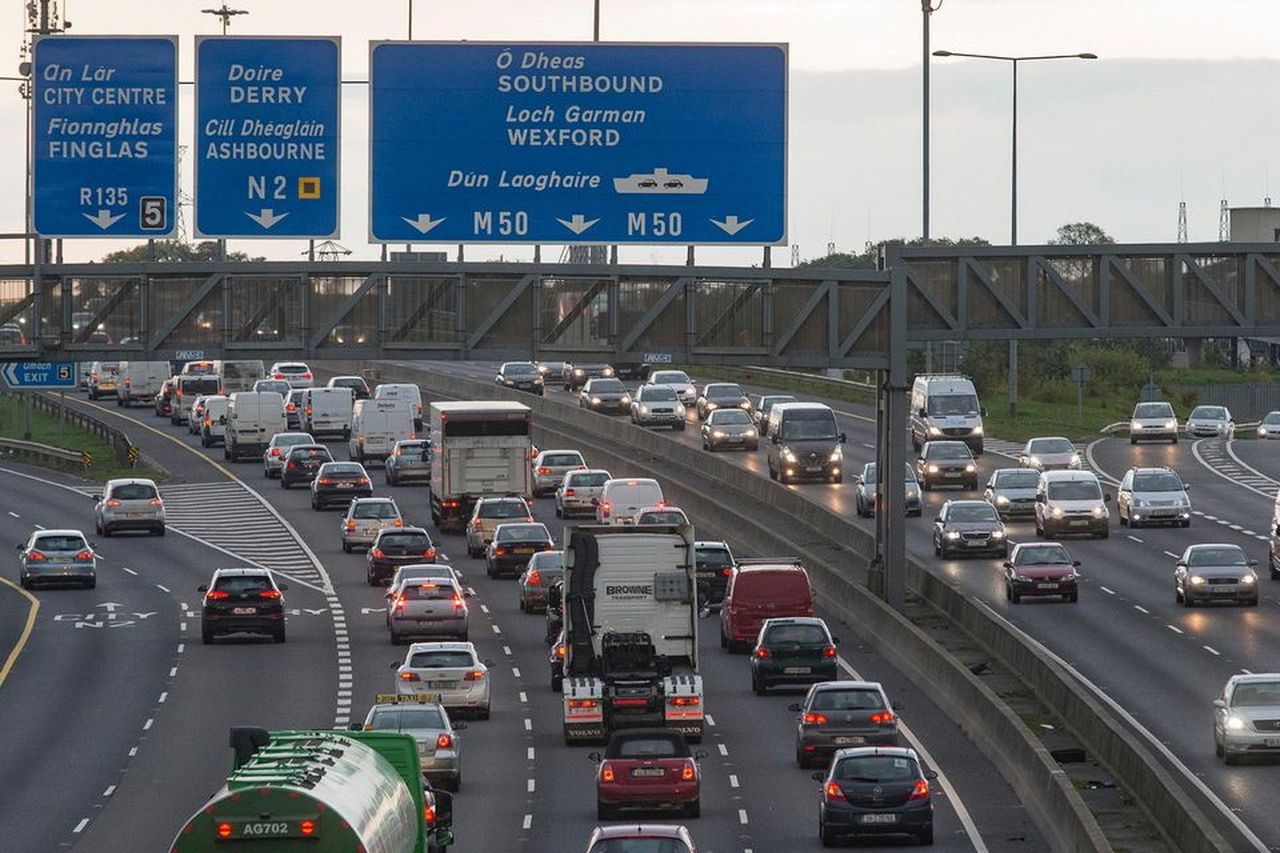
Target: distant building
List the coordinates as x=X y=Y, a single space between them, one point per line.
x=1255 y=225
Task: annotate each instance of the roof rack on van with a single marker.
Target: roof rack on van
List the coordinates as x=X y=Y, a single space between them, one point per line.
x=942 y=376
x=769 y=561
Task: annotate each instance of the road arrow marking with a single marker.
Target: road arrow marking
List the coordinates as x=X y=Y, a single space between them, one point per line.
x=424 y=222
x=731 y=225
x=578 y=223
x=104 y=219
x=110 y=605
x=266 y=218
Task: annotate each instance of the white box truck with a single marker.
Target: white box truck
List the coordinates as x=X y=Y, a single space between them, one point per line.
x=376 y=426
x=253 y=417
x=326 y=411
x=478 y=450
x=630 y=631
x=140 y=381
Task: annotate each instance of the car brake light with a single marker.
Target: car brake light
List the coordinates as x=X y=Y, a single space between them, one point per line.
x=726 y=571
x=449 y=504
x=399 y=602
x=277 y=376
x=363 y=481
x=920 y=791
x=290 y=407
x=293 y=464
x=833 y=792
x=444 y=741
x=275 y=451
x=477 y=524
x=473 y=675
x=113 y=503
x=814 y=719
x=568 y=493
x=409 y=676
x=217 y=594
x=309 y=410
x=685 y=701
x=430 y=552
x=457 y=601
x=224 y=830
x=350 y=525
x=500 y=552
x=560 y=654
x=34 y=555
x=535 y=578
x=325 y=481
x=84 y=555
x=544 y=471
x=606 y=773
x=687 y=772
x=882 y=718
x=272 y=594
x=307 y=827
x=306 y=376
x=377 y=552
x=429 y=815
x=762 y=652
x=156 y=502
x=605 y=508
x=399 y=522
x=829 y=652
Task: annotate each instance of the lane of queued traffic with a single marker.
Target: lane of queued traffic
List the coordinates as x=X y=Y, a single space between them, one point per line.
x=1124 y=635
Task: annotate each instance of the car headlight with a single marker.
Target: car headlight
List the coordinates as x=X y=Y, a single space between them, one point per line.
x=1262 y=430
x=932 y=469
x=578 y=371
x=997 y=534
x=745 y=404
x=1075 y=461
x=717 y=434
x=951 y=534
x=607 y=372
x=508 y=382
x=970 y=468
x=626 y=399
x=711 y=405
x=1033 y=461
x=1001 y=500
x=933 y=430
x=1140 y=504
x=1099 y=511
x=595 y=401
x=680 y=411
x=1170 y=424
x=1248 y=579
x=1023 y=578
x=1196 y=580
x=1236 y=724
x=837 y=455
x=977 y=430
x=750 y=433
x=1134 y=426
x=787 y=455
x=537 y=380
x=644 y=410
x=1056 y=512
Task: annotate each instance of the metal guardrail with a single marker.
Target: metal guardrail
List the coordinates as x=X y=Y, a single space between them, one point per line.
x=44 y=452
x=125 y=451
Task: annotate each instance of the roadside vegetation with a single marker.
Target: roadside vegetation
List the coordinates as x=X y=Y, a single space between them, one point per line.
x=49 y=429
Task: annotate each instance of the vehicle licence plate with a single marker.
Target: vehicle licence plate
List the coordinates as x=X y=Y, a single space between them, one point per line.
x=948 y=474
x=813 y=469
x=877 y=818
x=244 y=611
x=1271 y=741
x=846 y=741
x=524 y=551
x=428 y=696
x=1046 y=586
x=440 y=685
x=648 y=771
x=1079 y=524
x=345 y=485
x=976 y=543
x=797 y=670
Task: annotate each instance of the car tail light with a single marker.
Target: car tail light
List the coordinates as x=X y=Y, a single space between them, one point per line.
x=349 y=525
x=377 y=553
x=444 y=741
x=500 y=552
x=829 y=652
x=449 y=504
x=277 y=376
x=291 y=407
x=293 y=464
x=534 y=578
x=409 y=676
x=685 y=701
x=688 y=771
x=457 y=601
x=726 y=571
x=272 y=594
x=605 y=509
x=275 y=451
x=560 y=654
x=430 y=552
x=156 y=502
x=85 y=555
x=762 y=652
x=325 y=481
x=413 y=436
x=473 y=675
x=606 y=772
x=568 y=493
x=208 y=422
x=882 y=718
x=630 y=702
x=920 y=791
x=399 y=602
x=429 y=815
x=113 y=503
x=307 y=827
x=35 y=555
x=544 y=471
x=306 y=376
x=363 y=481
x=224 y=830
x=814 y=719
x=832 y=792
x=477 y=524
x=217 y=594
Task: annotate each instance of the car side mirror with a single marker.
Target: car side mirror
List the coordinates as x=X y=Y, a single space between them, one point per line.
x=1180 y=565
x=931 y=775
x=18 y=547
x=466 y=593
x=488 y=663
x=844 y=439
x=461 y=725
x=283 y=587
x=1253 y=562
x=700 y=754
x=388 y=594
x=355 y=727
x=594 y=757
x=1106 y=498
x=775 y=439
x=937 y=519
x=898 y=707
x=922 y=413
x=818 y=776
x=1007 y=564
x=395 y=664
x=1186 y=486
x=204 y=587
x=98 y=496
x=1075 y=564
x=1220 y=703
x=595 y=502
x=1040 y=497
x=794 y=707
x=222 y=419
x=983 y=411
x=835 y=641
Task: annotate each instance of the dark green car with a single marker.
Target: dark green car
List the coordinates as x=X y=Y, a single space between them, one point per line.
x=798 y=650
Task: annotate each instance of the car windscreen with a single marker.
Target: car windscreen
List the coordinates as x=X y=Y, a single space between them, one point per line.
x=876 y=768
x=639 y=845
x=520 y=370
x=665 y=516
x=1256 y=693
x=415 y=541
x=723 y=391
x=410 y=447
x=346 y=382
x=971 y=512
x=1074 y=490
x=321 y=453
x=943 y=405
x=1272 y=418
x=1050 y=445
x=1162 y=481
x=427 y=591
x=768 y=403
x=134 y=492
x=651 y=394
x=290 y=368
x=1209 y=413
x=241 y=369
x=795 y=634
x=242 y=583
x=397 y=719
x=194 y=386
x=60 y=543
x=561 y=460
x=589 y=480
x=714 y=558
x=344 y=469
x=1054 y=555
x=548 y=561
x=947 y=450
x=512 y=532
x=379 y=509
x=647 y=747
x=670 y=377
x=277 y=385
x=1017 y=479
x=504 y=509
x=607 y=386
x=848 y=699
x=1224 y=556
x=1153 y=410
x=285 y=439
x=808 y=425
x=730 y=417
x=440 y=659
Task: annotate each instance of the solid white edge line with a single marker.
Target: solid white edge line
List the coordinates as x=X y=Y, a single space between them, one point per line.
x=962 y=812
x=84 y=821
x=1195 y=451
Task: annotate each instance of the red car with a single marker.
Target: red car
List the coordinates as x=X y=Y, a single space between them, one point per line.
x=648 y=769
x=1041 y=568
x=641 y=838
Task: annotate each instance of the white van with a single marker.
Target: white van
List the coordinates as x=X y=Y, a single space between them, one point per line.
x=376 y=426
x=213 y=429
x=237 y=376
x=402 y=391
x=140 y=381
x=252 y=418
x=945 y=407
x=621 y=499
x=326 y=411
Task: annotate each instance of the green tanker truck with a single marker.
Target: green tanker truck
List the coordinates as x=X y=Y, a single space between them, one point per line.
x=321 y=792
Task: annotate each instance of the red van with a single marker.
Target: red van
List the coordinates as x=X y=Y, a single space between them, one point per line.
x=758 y=590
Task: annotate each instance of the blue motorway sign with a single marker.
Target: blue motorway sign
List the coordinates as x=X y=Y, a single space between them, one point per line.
x=106 y=136
x=19 y=375
x=578 y=143
x=267 y=136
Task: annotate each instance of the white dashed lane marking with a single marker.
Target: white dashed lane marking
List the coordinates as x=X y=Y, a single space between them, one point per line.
x=1140 y=608
x=1174 y=628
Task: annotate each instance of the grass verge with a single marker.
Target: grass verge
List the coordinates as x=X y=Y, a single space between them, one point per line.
x=49 y=429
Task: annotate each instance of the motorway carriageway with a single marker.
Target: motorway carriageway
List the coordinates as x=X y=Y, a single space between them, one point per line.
x=523 y=788
x=1161 y=663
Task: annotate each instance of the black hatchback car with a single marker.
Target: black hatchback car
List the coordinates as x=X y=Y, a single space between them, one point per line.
x=245 y=601
x=302 y=463
x=969 y=527
x=875 y=791
x=512 y=546
x=714 y=566
x=395 y=547
x=337 y=483
x=799 y=650
x=520 y=375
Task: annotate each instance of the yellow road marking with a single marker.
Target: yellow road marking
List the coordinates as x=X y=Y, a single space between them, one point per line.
x=26 y=629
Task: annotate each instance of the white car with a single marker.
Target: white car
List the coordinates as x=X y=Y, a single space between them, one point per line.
x=1153 y=420
x=550 y=466
x=1245 y=715
x=1210 y=422
x=278 y=448
x=678 y=381
x=296 y=373
x=1269 y=426
x=448 y=672
x=578 y=492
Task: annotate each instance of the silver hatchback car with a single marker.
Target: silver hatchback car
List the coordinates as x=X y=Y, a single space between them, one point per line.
x=365 y=518
x=550 y=466
x=439 y=747
x=578 y=492
x=57 y=556
x=132 y=504
x=427 y=608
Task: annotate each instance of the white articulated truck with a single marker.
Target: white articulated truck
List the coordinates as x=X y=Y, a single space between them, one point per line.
x=478 y=450
x=630 y=631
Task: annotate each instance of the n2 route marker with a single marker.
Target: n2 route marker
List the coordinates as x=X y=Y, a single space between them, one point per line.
x=577 y=143
x=105 y=136
x=267 y=136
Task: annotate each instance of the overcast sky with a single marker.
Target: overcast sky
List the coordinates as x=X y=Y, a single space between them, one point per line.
x=1182 y=103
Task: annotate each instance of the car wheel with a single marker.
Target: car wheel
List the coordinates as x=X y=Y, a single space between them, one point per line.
x=346 y=547
x=937 y=549
x=680 y=427
x=1173 y=440
x=23 y=582
x=757 y=686
x=160 y=531
x=839 y=478
x=278 y=635
x=1187 y=601
x=1133 y=440
x=206 y=636
x=106 y=531
x=1186 y=523
x=489 y=569
x=396 y=639
x=559 y=512
x=724 y=641
x=773 y=475
x=1124 y=522
x=369 y=578
x=520 y=604
x=693 y=809
x=824 y=832
x=1230 y=758
x=926 y=837
x=1074 y=597
x=1039 y=530
x=285 y=484
x=557 y=682
x=603 y=811
x=483 y=713
x=1217 y=746
x=1105 y=534
x=1177 y=595
x=1253 y=602
x=926 y=486
x=1015 y=596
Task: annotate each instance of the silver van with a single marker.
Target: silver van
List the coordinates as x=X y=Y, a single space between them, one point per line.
x=804 y=443
x=945 y=407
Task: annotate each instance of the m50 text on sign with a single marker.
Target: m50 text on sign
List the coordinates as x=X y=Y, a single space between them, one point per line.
x=267 y=136
x=578 y=143
x=105 y=136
